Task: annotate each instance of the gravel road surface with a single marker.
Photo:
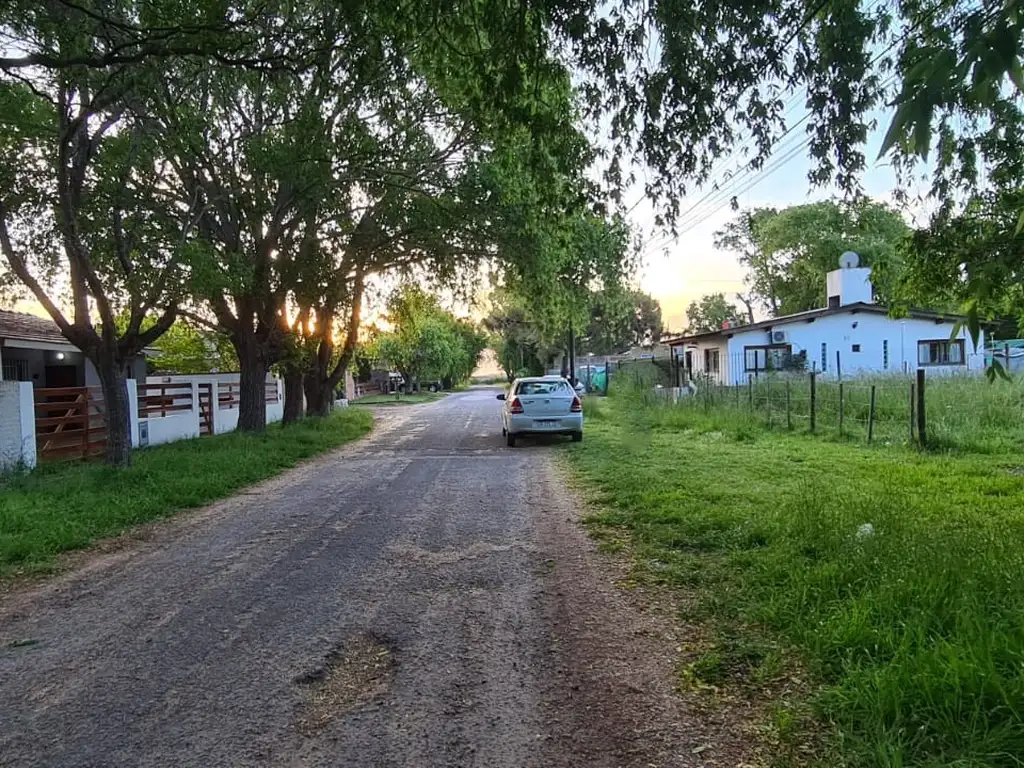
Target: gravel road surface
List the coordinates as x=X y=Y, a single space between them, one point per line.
x=425 y=597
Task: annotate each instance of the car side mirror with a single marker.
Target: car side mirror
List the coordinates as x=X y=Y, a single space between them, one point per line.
x=501 y=396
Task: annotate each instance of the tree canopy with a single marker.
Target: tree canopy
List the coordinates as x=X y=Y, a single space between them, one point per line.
x=712 y=313
x=788 y=252
x=425 y=343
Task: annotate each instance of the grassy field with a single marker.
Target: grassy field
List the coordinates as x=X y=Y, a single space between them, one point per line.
x=964 y=413
x=415 y=398
x=894 y=579
x=60 y=507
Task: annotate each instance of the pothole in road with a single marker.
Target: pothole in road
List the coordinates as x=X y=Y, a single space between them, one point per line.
x=356 y=672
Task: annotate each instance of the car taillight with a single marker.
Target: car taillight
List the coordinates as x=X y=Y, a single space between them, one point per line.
x=515 y=406
x=576 y=406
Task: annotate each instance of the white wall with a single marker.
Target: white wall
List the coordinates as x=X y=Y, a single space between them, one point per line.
x=17 y=425
x=17 y=418
x=182 y=425
x=698 y=360
x=874 y=333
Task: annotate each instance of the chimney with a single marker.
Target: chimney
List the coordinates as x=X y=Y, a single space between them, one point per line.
x=850 y=284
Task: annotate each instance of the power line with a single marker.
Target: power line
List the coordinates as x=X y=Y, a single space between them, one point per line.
x=716 y=205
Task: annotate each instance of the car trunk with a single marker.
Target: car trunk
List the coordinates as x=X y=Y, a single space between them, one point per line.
x=548 y=406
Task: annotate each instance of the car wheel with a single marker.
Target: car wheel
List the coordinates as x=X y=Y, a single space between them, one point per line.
x=504 y=432
x=577 y=437
x=510 y=440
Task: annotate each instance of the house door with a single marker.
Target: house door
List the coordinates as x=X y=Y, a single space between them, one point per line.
x=60 y=376
x=689 y=365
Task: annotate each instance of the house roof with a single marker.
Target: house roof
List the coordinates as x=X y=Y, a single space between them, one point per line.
x=810 y=315
x=25 y=327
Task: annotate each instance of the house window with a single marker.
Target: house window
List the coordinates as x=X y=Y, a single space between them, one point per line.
x=710 y=361
x=15 y=370
x=856 y=347
x=885 y=354
x=824 y=357
x=941 y=352
x=771 y=357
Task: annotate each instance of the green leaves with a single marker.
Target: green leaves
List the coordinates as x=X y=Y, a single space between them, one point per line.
x=425 y=342
x=789 y=252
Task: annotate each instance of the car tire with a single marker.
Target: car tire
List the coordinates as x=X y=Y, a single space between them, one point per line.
x=504 y=432
x=510 y=440
x=577 y=437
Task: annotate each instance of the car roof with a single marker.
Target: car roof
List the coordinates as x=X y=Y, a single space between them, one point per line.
x=539 y=379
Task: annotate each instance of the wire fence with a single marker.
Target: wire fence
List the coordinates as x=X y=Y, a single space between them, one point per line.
x=925 y=408
x=886 y=411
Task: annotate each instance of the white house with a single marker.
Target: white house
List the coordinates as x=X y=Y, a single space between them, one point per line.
x=33 y=349
x=851 y=336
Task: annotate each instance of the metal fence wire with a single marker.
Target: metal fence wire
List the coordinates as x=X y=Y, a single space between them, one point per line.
x=885 y=409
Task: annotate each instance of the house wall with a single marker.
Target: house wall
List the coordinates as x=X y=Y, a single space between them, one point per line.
x=698 y=358
x=17 y=425
x=874 y=333
x=36 y=361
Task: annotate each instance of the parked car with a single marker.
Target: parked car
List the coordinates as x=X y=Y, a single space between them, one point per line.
x=543 y=405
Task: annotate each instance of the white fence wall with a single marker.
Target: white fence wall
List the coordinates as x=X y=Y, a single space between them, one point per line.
x=17 y=425
x=184 y=422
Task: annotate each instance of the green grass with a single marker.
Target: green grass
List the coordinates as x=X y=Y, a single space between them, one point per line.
x=913 y=634
x=964 y=413
x=411 y=399
x=61 y=507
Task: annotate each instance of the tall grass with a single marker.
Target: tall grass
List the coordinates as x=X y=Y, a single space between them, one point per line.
x=61 y=507
x=965 y=413
x=897 y=576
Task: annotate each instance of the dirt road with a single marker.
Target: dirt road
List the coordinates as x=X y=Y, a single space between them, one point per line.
x=422 y=598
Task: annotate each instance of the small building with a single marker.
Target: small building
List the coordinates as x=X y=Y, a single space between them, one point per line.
x=851 y=336
x=33 y=349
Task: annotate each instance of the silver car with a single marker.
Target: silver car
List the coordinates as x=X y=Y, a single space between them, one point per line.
x=545 y=405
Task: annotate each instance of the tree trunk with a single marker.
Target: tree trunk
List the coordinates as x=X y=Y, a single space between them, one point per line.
x=294 y=407
x=252 y=405
x=319 y=394
x=113 y=383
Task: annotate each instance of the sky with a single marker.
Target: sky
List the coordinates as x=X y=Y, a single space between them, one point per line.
x=688 y=267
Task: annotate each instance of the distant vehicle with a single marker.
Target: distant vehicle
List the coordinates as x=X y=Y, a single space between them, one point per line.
x=544 y=405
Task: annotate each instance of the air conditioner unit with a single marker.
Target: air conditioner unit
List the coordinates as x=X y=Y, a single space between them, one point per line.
x=780 y=337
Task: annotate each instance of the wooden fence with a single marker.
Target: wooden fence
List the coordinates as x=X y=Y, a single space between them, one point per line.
x=70 y=423
x=158 y=400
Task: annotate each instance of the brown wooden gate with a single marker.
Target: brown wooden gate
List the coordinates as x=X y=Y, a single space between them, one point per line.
x=70 y=423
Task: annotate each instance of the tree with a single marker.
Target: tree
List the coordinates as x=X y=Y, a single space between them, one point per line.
x=83 y=210
x=789 y=252
x=187 y=349
x=973 y=259
x=712 y=313
x=516 y=339
x=425 y=342
x=620 y=320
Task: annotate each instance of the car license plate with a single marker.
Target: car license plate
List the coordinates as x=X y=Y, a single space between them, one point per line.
x=545 y=423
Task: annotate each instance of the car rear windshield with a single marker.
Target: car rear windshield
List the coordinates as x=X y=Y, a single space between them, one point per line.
x=543 y=388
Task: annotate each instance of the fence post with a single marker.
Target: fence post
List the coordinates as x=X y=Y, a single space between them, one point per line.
x=737 y=388
x=768 y=397
x=840 y=405
x=814 y=400
x=85 y=431
x=839 y=367
x=922 y=427
x=789 y=411
x=911 y=411
x=871 y=415
x=750 y=390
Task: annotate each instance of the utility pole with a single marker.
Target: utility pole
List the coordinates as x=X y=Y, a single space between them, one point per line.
x=572 y=356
